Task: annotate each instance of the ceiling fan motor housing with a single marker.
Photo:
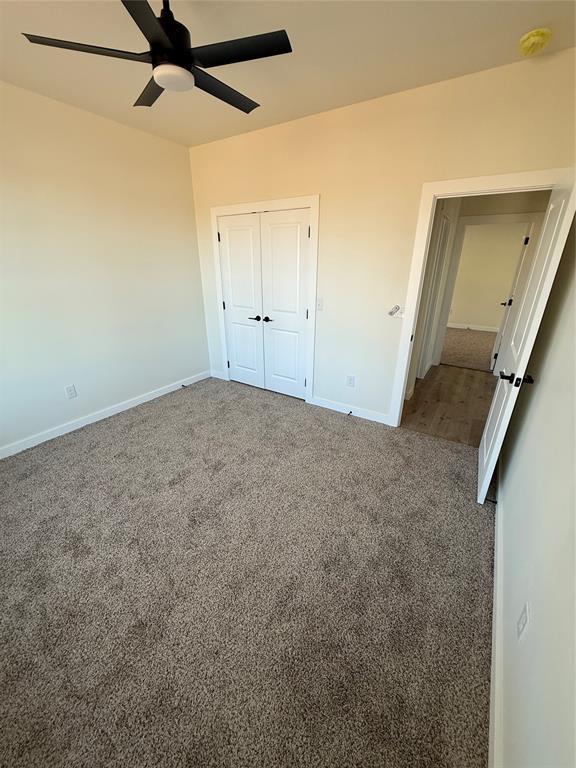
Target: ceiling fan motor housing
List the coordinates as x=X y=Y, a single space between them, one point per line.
x=180 y=38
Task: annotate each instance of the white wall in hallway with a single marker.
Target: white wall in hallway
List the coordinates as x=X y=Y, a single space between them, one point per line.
x=535 y=679
x=368 y=162
x=488 y=261
x=100 y=276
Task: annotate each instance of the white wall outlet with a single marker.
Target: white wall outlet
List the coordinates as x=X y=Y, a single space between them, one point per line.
x=350 y=381
x=70 y=391
x=319 y=304
x=523 y=621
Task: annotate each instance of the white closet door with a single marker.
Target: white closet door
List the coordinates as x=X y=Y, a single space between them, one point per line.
x=534 y=283
x=285 y=264
x=240 y=259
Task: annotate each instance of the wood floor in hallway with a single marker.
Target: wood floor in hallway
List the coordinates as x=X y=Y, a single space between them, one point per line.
x=452 y=403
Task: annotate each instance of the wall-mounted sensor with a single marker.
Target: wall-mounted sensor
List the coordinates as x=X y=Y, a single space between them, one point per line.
x=535 y=41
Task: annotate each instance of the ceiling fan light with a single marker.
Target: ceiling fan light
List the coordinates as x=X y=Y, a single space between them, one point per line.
x=173 y=78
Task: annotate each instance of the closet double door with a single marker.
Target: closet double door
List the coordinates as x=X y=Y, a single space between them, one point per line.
x=265 y=263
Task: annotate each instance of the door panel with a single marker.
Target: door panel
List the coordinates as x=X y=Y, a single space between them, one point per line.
x=245 y=343
x=526 y=253
x=243 y=270
x=285 y=264
x=284 y=349
x=534 y=283
x=241 y=264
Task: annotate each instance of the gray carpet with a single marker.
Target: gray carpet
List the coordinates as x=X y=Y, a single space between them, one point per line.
x=228 y=577
x=468 y=349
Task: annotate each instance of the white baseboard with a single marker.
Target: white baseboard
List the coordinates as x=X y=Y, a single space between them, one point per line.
x=495 y=753
x=473 y=327
x=362 y=413
x=104 y=413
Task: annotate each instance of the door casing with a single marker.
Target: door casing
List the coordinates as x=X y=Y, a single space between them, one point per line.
x=312 y=202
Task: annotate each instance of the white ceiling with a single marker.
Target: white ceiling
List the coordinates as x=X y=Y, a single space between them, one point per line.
x=344 y=52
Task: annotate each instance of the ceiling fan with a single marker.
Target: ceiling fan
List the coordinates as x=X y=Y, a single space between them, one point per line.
x=175 y=65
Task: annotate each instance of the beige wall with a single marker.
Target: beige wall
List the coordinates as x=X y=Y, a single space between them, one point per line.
x=488 y=261
x=100 y=277
x=536 y=533
x=513 y=202
x=368 y=161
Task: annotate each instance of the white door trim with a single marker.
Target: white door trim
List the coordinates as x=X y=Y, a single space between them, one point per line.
x=311 y=202
x=431 y=193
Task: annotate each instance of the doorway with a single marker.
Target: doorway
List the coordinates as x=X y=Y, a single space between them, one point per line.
x=533 y=282
x=477 y=246
x=267 y=266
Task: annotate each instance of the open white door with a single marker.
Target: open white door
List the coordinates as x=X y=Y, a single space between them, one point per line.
x=531 y=237
x=437 y=272
x=240 y=256
x=285 y=265
x=534 y=283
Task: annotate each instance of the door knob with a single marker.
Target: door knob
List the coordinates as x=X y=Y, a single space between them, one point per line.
x=267 y=319
x=509 y=378
x=255 y=318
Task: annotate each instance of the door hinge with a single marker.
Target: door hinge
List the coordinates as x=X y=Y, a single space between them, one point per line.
x=308 y=231
x=223 y=305
x=510 y=302
x=218 y=236
x=495 y=355
x=412 y=337
x=526 y=240
x=228 y=361
x=306 y=314
x=304 y=382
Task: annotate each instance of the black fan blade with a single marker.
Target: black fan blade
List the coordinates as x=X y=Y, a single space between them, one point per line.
x=149 y=25
x=215 y=87
x=243 y=49
x=149 y=94
x=145 y=57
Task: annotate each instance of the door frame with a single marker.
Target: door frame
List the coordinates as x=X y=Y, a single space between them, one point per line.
x=438 y=278
x=312 y=202
x=526 y=181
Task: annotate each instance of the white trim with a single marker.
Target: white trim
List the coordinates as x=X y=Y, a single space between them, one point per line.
x=495 y=748
x=361 y=413
x=216 y=374
x=285 y=204
x=468 y=327
x=431 y=192
x=104 y=413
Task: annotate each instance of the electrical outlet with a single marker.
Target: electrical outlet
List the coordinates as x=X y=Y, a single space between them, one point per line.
x=70 y=391
x=350 y=381
x=522 y=622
